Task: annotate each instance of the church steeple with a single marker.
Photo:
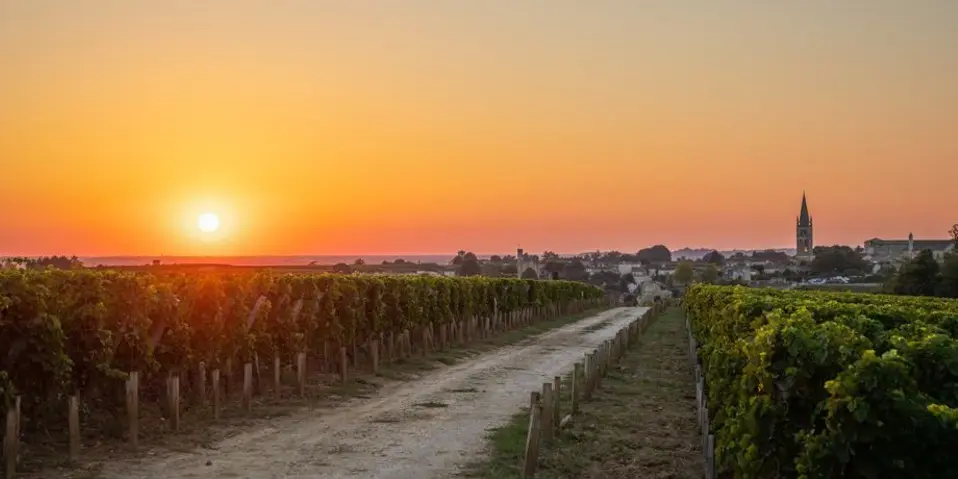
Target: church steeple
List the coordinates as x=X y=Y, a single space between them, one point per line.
x=804 y=244
x=804 y=219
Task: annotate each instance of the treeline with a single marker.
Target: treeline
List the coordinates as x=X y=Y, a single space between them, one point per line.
x=925 y=276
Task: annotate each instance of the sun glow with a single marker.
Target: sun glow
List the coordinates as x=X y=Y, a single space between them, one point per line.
x=208 y=222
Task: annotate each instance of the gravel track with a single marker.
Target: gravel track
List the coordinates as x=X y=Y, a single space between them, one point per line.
x=425 y=428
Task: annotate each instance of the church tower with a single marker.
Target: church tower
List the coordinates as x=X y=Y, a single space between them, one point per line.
x=804 y=243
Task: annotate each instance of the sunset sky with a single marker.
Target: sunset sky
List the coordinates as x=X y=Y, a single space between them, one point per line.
x=402 y=126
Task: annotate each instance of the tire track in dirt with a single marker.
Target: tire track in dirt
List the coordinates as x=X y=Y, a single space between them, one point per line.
x=426 y=428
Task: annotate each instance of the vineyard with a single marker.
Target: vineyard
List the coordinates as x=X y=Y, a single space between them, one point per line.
x=82 y=333
x=821 y=385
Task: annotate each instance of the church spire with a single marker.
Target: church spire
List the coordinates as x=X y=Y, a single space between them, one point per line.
x=804 y=219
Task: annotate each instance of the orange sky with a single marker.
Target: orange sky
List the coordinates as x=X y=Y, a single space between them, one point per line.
x=331 y=127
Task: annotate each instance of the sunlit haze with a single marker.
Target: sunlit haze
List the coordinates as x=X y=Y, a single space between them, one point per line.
x=377 y=127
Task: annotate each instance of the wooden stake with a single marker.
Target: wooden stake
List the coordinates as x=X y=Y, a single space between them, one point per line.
x=277 y=380
x=589 y=377
x=556 y=401
x=201 y=386
x=216 y=394
x=374 y=349
x=230 y=386
x=74 y=420
x=531 y=458
x=301 y=373
x=343 y=366
x=173 y=387
x=133 y=407
x=10 y=440
x=247 y=387
x=576 y=377
x=547 y=405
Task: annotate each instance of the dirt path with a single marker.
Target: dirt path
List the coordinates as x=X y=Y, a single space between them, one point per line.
x=425 y=428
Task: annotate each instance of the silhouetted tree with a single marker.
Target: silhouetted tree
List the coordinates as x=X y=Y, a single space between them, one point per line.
x=549 y=256
x=575 y=271
x=837 y=260
x=918 y=277
x=714 y=257
x=710 y=274
x=530 y=273
x=469 y=265
x=656 y=254
x=948 y=286
x=496 y=258
x=683 y=272
x=342 y=268
x=359 y=262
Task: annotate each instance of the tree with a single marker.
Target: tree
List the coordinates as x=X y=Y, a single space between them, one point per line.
x=948 y=285
x=530 y=273
x=359 y=262
x=342 y=268
x=837 y=260
x=575 y=271
x=714 y=257
x=399 y=261
x=625 y=281
x=549 y=255
x=57 y=262
x=683 y=272
x=469 y=264
x=656 y=254
x=509 y=269
x=460 y=257
x=495 y=258
x=918 y=277
x=710 y=274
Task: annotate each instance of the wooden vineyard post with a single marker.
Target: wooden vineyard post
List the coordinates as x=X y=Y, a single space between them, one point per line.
x=301 y=373
x=589 y=377
x=230 y=386
x=374 y=355
x=531 y=458
x=133 y=407
x=598 y=353
x=173 y=394
x=343 y=367
x=248 y=387
x=11 y=440
x=575 y=387
x=391 y=347
x=73 y=415
x=201 y=384
x=277 y=378
x=556 y=401
x=216 y=394
x=547 y=404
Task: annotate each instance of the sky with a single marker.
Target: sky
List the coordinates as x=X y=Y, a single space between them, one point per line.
x=415 y=126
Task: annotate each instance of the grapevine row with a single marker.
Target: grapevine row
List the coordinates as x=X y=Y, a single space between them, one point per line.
x=65 y=333
x=822 y=385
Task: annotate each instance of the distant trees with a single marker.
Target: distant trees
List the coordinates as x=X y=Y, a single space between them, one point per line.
x=342 y=268
x=837 y=260
x=359 y=262
x=575 y=271
x=710 y=274
x=530 y=273
x=770 y=255
x=714 y=257
x=57 y=262
x=495 y=258
x=468 y=264
x=683 y=272
x=923 y=276
x=549 y=256
x=655 y=254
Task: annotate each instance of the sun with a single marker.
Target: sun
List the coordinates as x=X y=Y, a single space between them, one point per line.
x=208 y=222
